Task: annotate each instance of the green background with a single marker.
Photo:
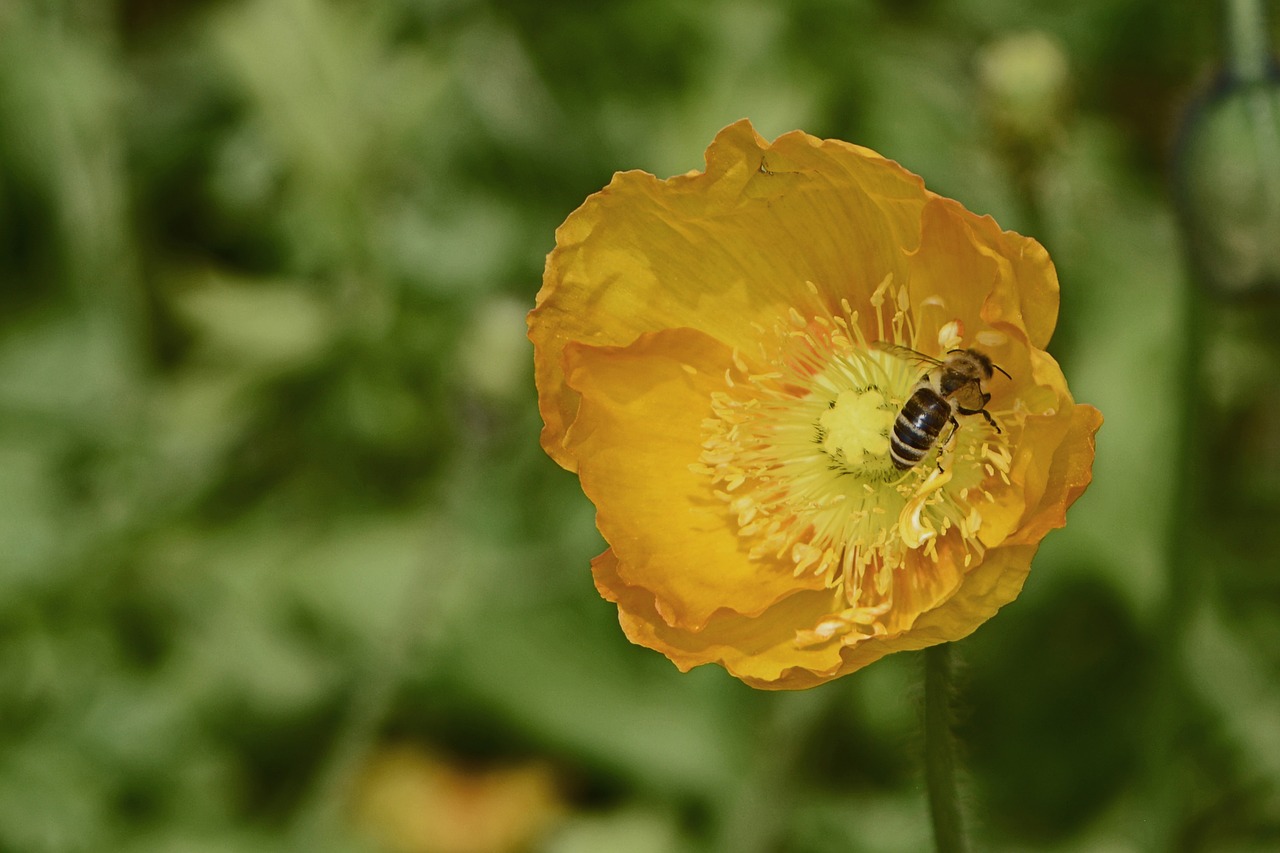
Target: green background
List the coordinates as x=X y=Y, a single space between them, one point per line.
x=271 y=495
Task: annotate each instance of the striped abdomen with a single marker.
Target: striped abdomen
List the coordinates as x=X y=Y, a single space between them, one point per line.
x=918 y=426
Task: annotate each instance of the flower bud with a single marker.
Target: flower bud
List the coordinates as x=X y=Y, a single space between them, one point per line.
x=1025 y=83
x=1227 y=173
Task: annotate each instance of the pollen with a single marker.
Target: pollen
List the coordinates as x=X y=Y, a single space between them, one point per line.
x=798 y=449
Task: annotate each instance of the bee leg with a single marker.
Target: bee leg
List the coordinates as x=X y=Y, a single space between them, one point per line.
x=981 y=411
x=986 y=398
x=955 y=425
x=990 y=419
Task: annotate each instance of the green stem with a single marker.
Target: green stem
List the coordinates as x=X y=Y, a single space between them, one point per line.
x=939 y=752
x=1171 y=702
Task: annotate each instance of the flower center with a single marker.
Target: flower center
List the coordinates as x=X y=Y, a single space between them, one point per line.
x=854 y=430
x=800 y=454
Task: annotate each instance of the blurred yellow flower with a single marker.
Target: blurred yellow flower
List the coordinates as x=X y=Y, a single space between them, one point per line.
x=413 y=801
x=721 y=358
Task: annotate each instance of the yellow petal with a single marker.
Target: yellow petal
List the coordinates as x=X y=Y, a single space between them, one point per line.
x=1026 y=292
x=993 y=583
x=1069 y=475
x=761 y=650
x=996 y=290
x=719 y=251
x=1032 y=475
x=638 y=431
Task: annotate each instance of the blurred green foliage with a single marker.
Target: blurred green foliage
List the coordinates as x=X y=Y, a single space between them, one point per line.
x=271 y=498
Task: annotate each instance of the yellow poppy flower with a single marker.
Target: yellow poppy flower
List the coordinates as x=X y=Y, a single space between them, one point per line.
x=722 y=358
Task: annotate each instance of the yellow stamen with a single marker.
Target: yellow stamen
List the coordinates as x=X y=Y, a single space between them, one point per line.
x=798 y=449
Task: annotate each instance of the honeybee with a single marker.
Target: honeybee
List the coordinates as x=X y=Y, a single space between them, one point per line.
x=952 y=385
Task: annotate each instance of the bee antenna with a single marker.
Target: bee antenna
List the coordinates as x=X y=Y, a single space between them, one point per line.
x=1002 y=370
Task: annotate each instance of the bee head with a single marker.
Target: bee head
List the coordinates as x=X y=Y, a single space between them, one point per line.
x=983 y=362
x=975 y=362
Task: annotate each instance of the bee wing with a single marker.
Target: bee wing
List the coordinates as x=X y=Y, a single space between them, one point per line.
x=909 y=354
